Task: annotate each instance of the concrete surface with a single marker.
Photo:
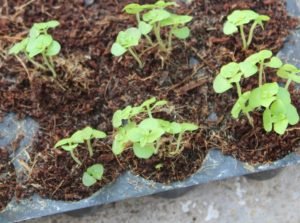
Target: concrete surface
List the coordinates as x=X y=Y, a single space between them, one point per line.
x=234 y=200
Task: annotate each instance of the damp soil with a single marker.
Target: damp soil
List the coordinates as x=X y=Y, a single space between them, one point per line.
x=92 y=85
x=7 y=179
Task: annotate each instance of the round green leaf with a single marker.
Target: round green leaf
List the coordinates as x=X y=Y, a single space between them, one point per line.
x=96 y=171
x=284 y=95
x=241 y=17
x=38 y=45
x=292 y=114
x=143 y=152
x=145 y=28
x=117 y=50
x=229 y=28
x=88 y=180
x=188 y=127
x=19 y=47
x=221 y=84
x=46 y=25
x=230 y=70
x=63 y=142
x=267 y=120
x=275 y=63
x=248 y=69
x=133 y=8
x=69 y=148
x=53 y=49
x=174 y=19
x=98 y=134
x=156 y=15
x=128 y=38
x=181 y=33
x=281 y=126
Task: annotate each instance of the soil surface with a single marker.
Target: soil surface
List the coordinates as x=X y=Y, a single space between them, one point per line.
x=7 y=179
x=92 y=85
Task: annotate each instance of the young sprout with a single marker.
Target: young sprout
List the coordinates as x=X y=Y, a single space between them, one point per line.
x=137 y=9
x=232 y=74
x=126 y=40
x=39 y=42
x=92 y=174
x=146 y=137
x=178 y=27
x=281 y=113
x=260 y=60
x=81 y=136
x=289 y=72
x=238 y=19
x=124 y=116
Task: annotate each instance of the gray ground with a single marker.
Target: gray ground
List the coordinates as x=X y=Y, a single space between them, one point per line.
x=234 y=200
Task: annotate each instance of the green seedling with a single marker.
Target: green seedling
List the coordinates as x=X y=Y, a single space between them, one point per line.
x=279 y=112
x=39 y=42
x=263 y=59
x=81 y=136
x=129 y=112
x=151 y=18
x=92 y=175
x=137 y=9
x=289 y=72
x=125 y=116
x=146 y=137
x=238 y=19
x=126 y=40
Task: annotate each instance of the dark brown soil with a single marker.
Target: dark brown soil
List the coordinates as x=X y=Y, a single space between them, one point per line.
x=167 y=169
x=7 y=179
x=92 y=84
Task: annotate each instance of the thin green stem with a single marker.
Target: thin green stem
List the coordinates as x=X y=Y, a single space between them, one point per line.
x=158 y=37
x=178 y=143
x=289 y=81
x=260 y=75
x=251 y=33
x=75 y=158
x=35 y=63
x=239 y=91
x=136 y=57
x=149 y=112
x=149 y=40
x=138 y=17
x=243 y=37
x=90 y=148
x=46 y=61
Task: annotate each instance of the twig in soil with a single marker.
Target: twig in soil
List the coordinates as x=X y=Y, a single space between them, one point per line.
x=25 y=68
x=20 y=8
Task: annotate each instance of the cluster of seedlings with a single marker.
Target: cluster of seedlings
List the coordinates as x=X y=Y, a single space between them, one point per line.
x=134 y=126
x=151 y=19
x=273 y=99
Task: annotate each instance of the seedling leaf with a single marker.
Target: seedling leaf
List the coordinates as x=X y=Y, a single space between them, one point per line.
x=143 y=152
x=181 y=33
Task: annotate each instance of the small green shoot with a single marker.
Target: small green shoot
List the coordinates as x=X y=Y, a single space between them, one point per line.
x=279 y=112
x=92 y=175
x=81 y=136
x=39 y=42
x=238 y=19
x=147 y=136
x=152 y=19
x=126 y=40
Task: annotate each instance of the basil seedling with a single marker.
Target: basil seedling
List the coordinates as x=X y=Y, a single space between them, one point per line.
x=238 y=19
x=92 y=174
x=39 y=42
x=81 y=136
x=279 y=112
x=126 y=40
x=147 y=137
